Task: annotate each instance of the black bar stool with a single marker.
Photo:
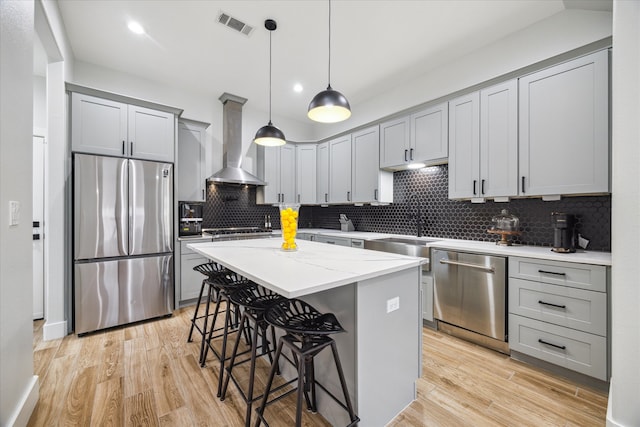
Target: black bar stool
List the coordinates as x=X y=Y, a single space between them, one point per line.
x=210 y=270
x=307 y=334
x=224 y=285
x=254 y=300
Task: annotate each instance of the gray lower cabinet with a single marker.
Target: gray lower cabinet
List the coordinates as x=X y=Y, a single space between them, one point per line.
x=190 y=280
x=427 y=296
x=558 y=313
x=341 y=241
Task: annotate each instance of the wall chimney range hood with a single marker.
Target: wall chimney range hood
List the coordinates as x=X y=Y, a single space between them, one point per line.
x=232 y=172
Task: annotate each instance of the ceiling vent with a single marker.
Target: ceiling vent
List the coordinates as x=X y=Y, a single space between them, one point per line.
x=234 y=23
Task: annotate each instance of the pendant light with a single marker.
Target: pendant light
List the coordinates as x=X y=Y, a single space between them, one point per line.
x=270 y=135
x=329 y=106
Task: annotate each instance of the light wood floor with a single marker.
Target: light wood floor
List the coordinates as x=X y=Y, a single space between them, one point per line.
x=148 y=375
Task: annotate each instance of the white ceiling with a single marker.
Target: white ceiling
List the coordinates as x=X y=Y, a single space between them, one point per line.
x=375 y=44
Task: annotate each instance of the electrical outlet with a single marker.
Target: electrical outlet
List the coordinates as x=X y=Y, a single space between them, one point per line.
x=14 y=213
x=393 y=304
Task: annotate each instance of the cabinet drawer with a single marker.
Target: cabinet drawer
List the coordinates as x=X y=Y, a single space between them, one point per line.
x=571 y=349
x=186 y=251
x=561 y=305
x=585 y=276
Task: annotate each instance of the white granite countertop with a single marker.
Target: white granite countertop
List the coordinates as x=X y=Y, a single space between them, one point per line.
x=538 y=252
x=312 y=268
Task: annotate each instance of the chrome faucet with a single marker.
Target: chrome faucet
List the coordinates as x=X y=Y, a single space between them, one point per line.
x=416 y=214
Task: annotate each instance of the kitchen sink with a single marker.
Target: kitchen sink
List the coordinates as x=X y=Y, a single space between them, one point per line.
x=408 y=240
x=403 y=246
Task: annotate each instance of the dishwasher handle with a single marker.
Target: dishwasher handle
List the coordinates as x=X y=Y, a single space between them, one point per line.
x=464 y=264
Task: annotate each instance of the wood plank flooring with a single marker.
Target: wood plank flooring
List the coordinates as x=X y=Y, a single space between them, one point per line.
x=148 y=375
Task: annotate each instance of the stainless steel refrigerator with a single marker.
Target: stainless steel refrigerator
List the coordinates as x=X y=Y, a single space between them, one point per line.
x=123 y=241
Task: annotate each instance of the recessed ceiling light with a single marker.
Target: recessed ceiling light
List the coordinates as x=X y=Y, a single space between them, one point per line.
x=135 y=27
x=297 y=87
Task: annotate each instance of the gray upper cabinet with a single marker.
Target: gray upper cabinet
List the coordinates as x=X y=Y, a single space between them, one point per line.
x=340 y=169
x=322 y=173
x=102 y=126
x=279 y=171
x=395 y=139
x=369 y=184
x=483 y=143
x=420 y=137
x=564 y=128
x=151 y=134
x=192 y=172
x=306 y=173
x=464 y=146
x=430 y=135
x=98 y=126
x=499 y=140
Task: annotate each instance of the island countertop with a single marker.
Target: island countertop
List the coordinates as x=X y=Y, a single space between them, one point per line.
x=314 y=267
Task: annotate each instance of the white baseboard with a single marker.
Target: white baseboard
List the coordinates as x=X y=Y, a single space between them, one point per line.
x=25 y=407
x=610 y=421
x=53 y=331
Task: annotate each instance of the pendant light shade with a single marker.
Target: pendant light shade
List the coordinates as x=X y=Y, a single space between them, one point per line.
x=329 y=106
x=269 y=135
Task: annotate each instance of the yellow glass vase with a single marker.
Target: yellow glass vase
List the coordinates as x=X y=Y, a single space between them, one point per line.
x=289 y=225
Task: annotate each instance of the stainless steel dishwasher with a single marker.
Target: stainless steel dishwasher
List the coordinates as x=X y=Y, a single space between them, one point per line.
x=470 y=297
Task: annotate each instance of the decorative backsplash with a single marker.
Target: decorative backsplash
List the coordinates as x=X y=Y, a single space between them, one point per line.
x=234 y=206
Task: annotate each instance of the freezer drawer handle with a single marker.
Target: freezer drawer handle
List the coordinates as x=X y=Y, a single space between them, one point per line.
x=552 y=305
x=552 y=272
x=561 y=347
x=464 y=264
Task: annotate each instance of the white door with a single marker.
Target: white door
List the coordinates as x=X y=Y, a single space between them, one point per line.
x=38 y=216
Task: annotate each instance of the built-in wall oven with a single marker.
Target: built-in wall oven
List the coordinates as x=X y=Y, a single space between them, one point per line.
x=470 y=297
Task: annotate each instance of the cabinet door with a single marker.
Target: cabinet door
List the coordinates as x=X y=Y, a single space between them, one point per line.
x=190 y=280
x=288 y=173
x=464 y=146
x=427 y=296
x=191 y=161
x=499 y=140
x=430 y=134
x=151 y=134
x=323 y=173
x=365 y=165
x=306 y=173
x=98 y=126
x=271 y=191
x=564 y=128
x=340 y=169
x=394 y=142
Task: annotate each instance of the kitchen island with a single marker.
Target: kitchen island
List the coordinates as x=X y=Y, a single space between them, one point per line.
x=375 y=296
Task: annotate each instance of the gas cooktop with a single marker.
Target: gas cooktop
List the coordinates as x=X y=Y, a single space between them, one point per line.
x=236 y=232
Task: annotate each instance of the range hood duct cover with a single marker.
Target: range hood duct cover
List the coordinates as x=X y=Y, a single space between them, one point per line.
x=232 y=172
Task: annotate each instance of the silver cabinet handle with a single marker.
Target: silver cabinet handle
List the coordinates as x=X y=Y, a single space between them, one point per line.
x=326 y=197
x=464 y=264
x=123 y=148
x=405 y=155
x=131 y=152
x=298 y=198
x=411 y=154
x=348 y=196
x=375 y=194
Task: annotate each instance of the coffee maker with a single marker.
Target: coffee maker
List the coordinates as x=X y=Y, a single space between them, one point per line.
x=190 y=218
x=563 y=232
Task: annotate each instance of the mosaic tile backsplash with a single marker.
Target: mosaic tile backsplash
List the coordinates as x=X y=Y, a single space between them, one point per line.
x=425 y=192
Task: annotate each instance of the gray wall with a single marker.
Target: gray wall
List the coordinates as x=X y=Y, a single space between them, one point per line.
x=18 y=386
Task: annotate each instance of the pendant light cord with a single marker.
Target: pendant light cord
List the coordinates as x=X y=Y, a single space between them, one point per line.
x=329 y=78
x=270 y=76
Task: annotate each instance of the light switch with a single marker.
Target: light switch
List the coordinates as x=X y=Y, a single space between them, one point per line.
x=393 y=304
x=14 y=213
